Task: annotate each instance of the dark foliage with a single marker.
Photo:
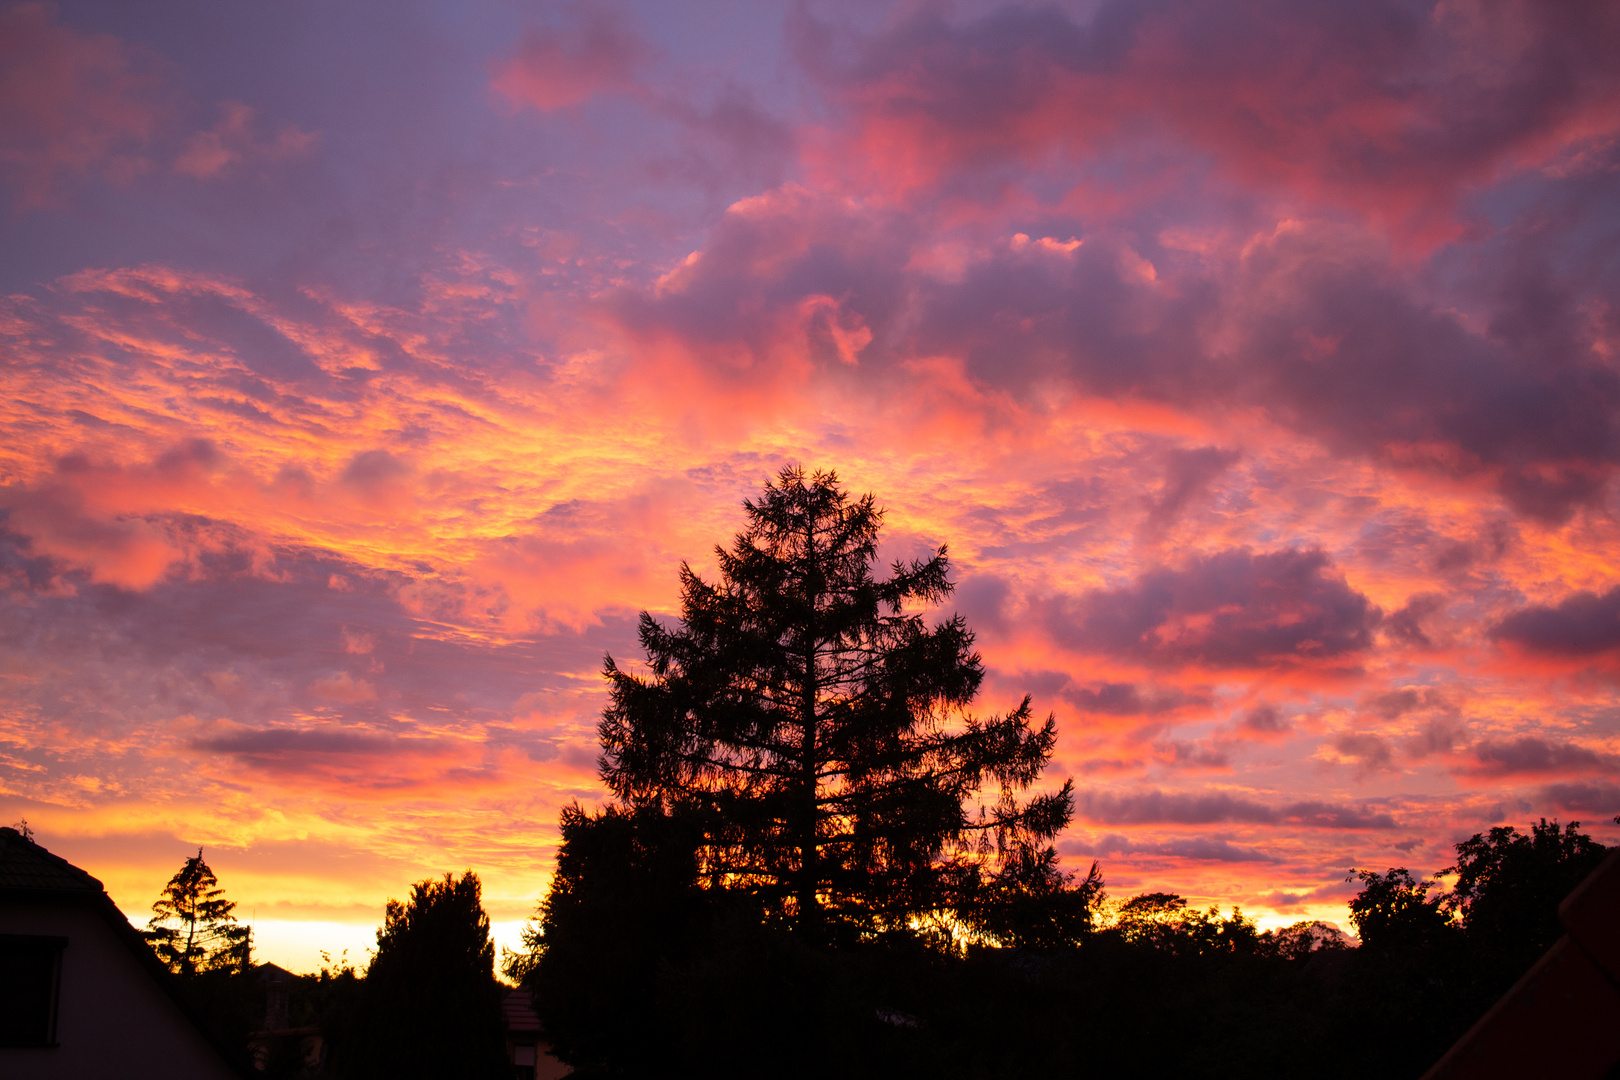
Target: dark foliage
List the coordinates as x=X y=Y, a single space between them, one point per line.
x=819 y=729
x=429 y=1004
x=326 y=1003
x=1394 y=913
x=230 y=1002
x=1031 y=904
x=623 y=905
x=668 y=981
x=1509 y=885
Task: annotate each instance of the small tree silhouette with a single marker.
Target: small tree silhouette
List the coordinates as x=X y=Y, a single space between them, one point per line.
x=192 y=928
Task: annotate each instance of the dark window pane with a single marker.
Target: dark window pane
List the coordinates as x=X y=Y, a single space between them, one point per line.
x=30 y=968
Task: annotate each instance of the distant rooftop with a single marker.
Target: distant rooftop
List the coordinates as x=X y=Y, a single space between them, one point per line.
x=25 y=866
x=519 y=1012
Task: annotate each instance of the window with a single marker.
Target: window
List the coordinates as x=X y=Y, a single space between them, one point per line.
x=30 y=975
x=523 y=1061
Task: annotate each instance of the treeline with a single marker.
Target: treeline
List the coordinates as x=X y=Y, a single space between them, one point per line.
x=639 y=970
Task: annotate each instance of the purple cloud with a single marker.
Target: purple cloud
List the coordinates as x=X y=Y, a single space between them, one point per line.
x=1153 y=806
x=1582 y=624
x=1529 y=755
x=1234 y=609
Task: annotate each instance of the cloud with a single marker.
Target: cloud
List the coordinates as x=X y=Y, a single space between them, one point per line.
x=1529 y=755
x=1195 y=848
x=1195 y=756
x=1153 y=806
x=1307 y=320
x=1438 y=736
x=119 y=521
x=377 y=476
x=232 y=142
x=983 y=598
x=790 y=282
x=1368 y=752
x=343 y=687
x=1126 y=699
x=559 y=68
x=1582 y=624
x=1264 y=720
x=734 y=143
x=1322 y=815
x=71 y=106
x=268 y=742
x=1187 y=474
x=1406 y=623
x=1597 y=797
x=1394 y=704
x=1381 y=109
x=1336 y=344
x=330 y=482
x=1334 y=893
x=1233 y=609
x=129 y=552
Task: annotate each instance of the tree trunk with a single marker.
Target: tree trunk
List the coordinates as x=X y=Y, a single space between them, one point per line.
x=809 y=871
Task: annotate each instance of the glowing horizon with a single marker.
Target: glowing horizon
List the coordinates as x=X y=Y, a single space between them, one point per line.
x=369 y=370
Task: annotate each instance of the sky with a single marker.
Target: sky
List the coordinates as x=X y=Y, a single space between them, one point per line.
x=368 y=367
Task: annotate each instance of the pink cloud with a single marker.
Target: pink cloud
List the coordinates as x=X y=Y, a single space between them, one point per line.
x=233 y=142
x=127 y=551
x=559 y=68
x=1388 y=111
x=71 y=106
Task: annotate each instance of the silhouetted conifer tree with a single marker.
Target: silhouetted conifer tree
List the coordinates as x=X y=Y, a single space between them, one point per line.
x=822 y=727
x=192 y=928
x=429 y=1004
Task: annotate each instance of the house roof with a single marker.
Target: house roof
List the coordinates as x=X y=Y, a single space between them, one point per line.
x=518 y=1011
x=29 y=873
x=25 y=866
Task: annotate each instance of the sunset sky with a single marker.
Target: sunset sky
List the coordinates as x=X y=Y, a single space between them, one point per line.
x=369 y=366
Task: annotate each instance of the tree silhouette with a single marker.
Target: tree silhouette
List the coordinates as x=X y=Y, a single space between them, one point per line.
x=192 y=929
x=1395 y=913
x=430 y=1005
x=1509 y=885
x=1163 y=921
x=623 y=905
x=1031 y=904
x=821 y=726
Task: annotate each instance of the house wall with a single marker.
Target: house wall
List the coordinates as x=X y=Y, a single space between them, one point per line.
x=113 y=1019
